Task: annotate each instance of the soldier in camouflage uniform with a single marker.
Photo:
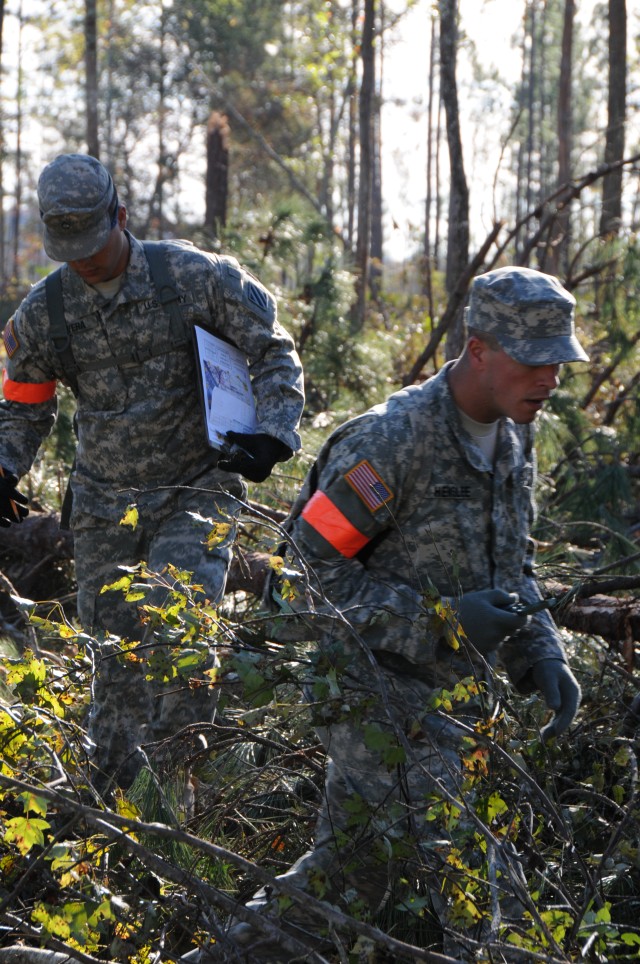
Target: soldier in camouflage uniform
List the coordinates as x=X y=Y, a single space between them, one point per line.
x=415 y=522
x=141 y=437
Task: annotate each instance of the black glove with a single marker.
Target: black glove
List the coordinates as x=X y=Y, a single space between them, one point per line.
x=12 y=503
x=561 y=692
x=485 y=617
x=253 y=456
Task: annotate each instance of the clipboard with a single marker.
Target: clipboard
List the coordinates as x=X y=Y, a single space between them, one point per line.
x=226 y=394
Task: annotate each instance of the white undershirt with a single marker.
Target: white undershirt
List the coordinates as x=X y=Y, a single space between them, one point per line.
x=109 y=289
x=484 y=434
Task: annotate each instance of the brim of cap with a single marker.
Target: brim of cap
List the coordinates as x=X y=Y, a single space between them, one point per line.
x=75 y=247
x=557 y=350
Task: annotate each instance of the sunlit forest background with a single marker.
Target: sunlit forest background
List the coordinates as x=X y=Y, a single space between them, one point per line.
x=269 y=131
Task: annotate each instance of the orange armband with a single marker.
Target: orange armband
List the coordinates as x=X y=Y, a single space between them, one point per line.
x=30 y=393
x=327 y=519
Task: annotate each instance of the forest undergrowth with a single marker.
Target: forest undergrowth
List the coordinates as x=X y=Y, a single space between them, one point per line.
x=150 y=873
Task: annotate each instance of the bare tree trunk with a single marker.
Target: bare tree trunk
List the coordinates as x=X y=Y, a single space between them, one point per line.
x=520 y=167
x=329 y=161
x=3 y=272
x=217 y=176
x=91 y=76
x=531 y=100
x=546 y=117
x=614 y=147
x=353 y=133
x=162 y=114
x=438 y=212
x=556 y=252
x=15 y=269
x=108 y=102
x=427 y=285
x=377 y=236
x=367 y=91
x=458 y=232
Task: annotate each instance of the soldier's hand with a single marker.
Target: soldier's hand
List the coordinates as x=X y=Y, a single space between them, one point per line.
x=253 y=456
x=561 y=692
x=13 y=504
x=485 y=617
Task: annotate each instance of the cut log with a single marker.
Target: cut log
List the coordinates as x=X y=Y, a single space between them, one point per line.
x=33 y=552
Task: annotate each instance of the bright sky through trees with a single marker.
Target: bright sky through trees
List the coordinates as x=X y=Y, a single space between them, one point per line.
x=493 y=26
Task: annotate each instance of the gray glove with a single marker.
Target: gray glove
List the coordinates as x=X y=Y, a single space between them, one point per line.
x=561 y=692
x=485 y=617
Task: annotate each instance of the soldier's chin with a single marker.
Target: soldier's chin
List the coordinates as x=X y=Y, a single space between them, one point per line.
x=527 y=411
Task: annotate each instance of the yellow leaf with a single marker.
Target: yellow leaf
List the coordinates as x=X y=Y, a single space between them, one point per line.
x=135 y=596
x=218 y=534
x=67 y=632
x=276 y=563
x=125 y=808
x=123 y=583
x=130 y=518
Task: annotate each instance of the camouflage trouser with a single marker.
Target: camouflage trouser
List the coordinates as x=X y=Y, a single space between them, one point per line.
x=381 y=823
x=127 y=709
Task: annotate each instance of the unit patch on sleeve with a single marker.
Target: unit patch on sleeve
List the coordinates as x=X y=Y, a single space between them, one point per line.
x=11 y=343
x=258 y=296
x=367 y=484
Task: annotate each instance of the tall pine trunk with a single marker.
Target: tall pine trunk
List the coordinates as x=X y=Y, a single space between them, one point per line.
x=3 y=270
x=429 y=254
x=556 y=254
x=217 y=176
x=614 y=147
x=458 y=228
x=15 y=252
x=365 y=141
x=91 y=76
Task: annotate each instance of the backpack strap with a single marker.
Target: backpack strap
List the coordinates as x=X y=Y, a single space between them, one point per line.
x=167 y=295
x=166 y=291
x=58 y=330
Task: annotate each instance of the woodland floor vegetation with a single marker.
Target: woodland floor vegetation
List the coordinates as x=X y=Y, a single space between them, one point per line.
x=148 y=874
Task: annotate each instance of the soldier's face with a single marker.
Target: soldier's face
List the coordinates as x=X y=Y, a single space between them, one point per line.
x=109 y=261
x=515 y=390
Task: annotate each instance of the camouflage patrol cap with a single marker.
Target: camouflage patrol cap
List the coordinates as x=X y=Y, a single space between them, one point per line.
x=78 y=206
x=530 y=314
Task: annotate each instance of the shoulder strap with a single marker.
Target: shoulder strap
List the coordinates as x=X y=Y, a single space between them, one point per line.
x=166 y=291
x=58 y=331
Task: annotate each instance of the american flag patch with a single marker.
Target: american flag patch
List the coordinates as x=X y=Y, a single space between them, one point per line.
x=365 y=482
x=11 y=343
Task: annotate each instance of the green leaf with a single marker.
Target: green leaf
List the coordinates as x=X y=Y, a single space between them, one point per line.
x=385 y=744
x=31 y=802
x=26 y=832
x=53 y=923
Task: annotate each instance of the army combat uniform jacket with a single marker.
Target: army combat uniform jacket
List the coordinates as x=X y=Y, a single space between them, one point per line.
x=138 y=415
x=402 y=507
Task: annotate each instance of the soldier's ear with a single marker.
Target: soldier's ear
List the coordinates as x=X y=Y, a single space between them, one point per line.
x=477 y=350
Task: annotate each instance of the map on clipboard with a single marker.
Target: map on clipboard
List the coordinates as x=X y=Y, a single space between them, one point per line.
x=226 y=393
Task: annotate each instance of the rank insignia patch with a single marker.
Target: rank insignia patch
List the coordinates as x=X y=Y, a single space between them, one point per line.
x=11 y=343
x=366 y=483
